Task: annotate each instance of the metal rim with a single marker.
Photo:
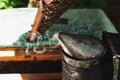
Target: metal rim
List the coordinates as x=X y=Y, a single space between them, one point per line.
x=89 y=59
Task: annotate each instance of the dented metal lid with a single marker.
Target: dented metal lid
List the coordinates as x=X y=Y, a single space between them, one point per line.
x=80 y=46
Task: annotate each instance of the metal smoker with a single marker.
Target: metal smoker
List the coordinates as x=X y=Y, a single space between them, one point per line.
x=81 y=57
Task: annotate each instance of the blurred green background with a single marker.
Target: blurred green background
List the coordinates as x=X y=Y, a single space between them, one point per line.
x=4 y=4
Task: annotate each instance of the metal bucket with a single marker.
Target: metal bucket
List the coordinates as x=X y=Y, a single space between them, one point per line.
x=76 y=68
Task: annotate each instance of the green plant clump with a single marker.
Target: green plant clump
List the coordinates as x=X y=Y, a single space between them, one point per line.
x=4 y=4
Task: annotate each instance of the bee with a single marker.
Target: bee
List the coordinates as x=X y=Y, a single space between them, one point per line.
x=48 y=12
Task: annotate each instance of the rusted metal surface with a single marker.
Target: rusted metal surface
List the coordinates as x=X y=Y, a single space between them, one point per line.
x=81 y=56
x=70 y=72
x=78 y=70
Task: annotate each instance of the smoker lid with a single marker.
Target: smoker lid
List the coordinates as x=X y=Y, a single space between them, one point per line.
x=83 y=47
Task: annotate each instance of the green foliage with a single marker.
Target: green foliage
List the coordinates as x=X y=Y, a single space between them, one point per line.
x=4 y=4
x=77 y=4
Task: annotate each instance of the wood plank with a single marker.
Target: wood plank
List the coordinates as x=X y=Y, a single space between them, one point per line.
x=113 y=7
x=44 y=76
x=49 y=61
x=116 y=22
x=31 y=76
x=31 y=66
x=36 y=24
x=114 y=10
x=20 y=54
x=38 y=20
x=113 y=2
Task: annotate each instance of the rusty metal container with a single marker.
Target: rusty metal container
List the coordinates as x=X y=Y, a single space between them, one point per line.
x=80 y=67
